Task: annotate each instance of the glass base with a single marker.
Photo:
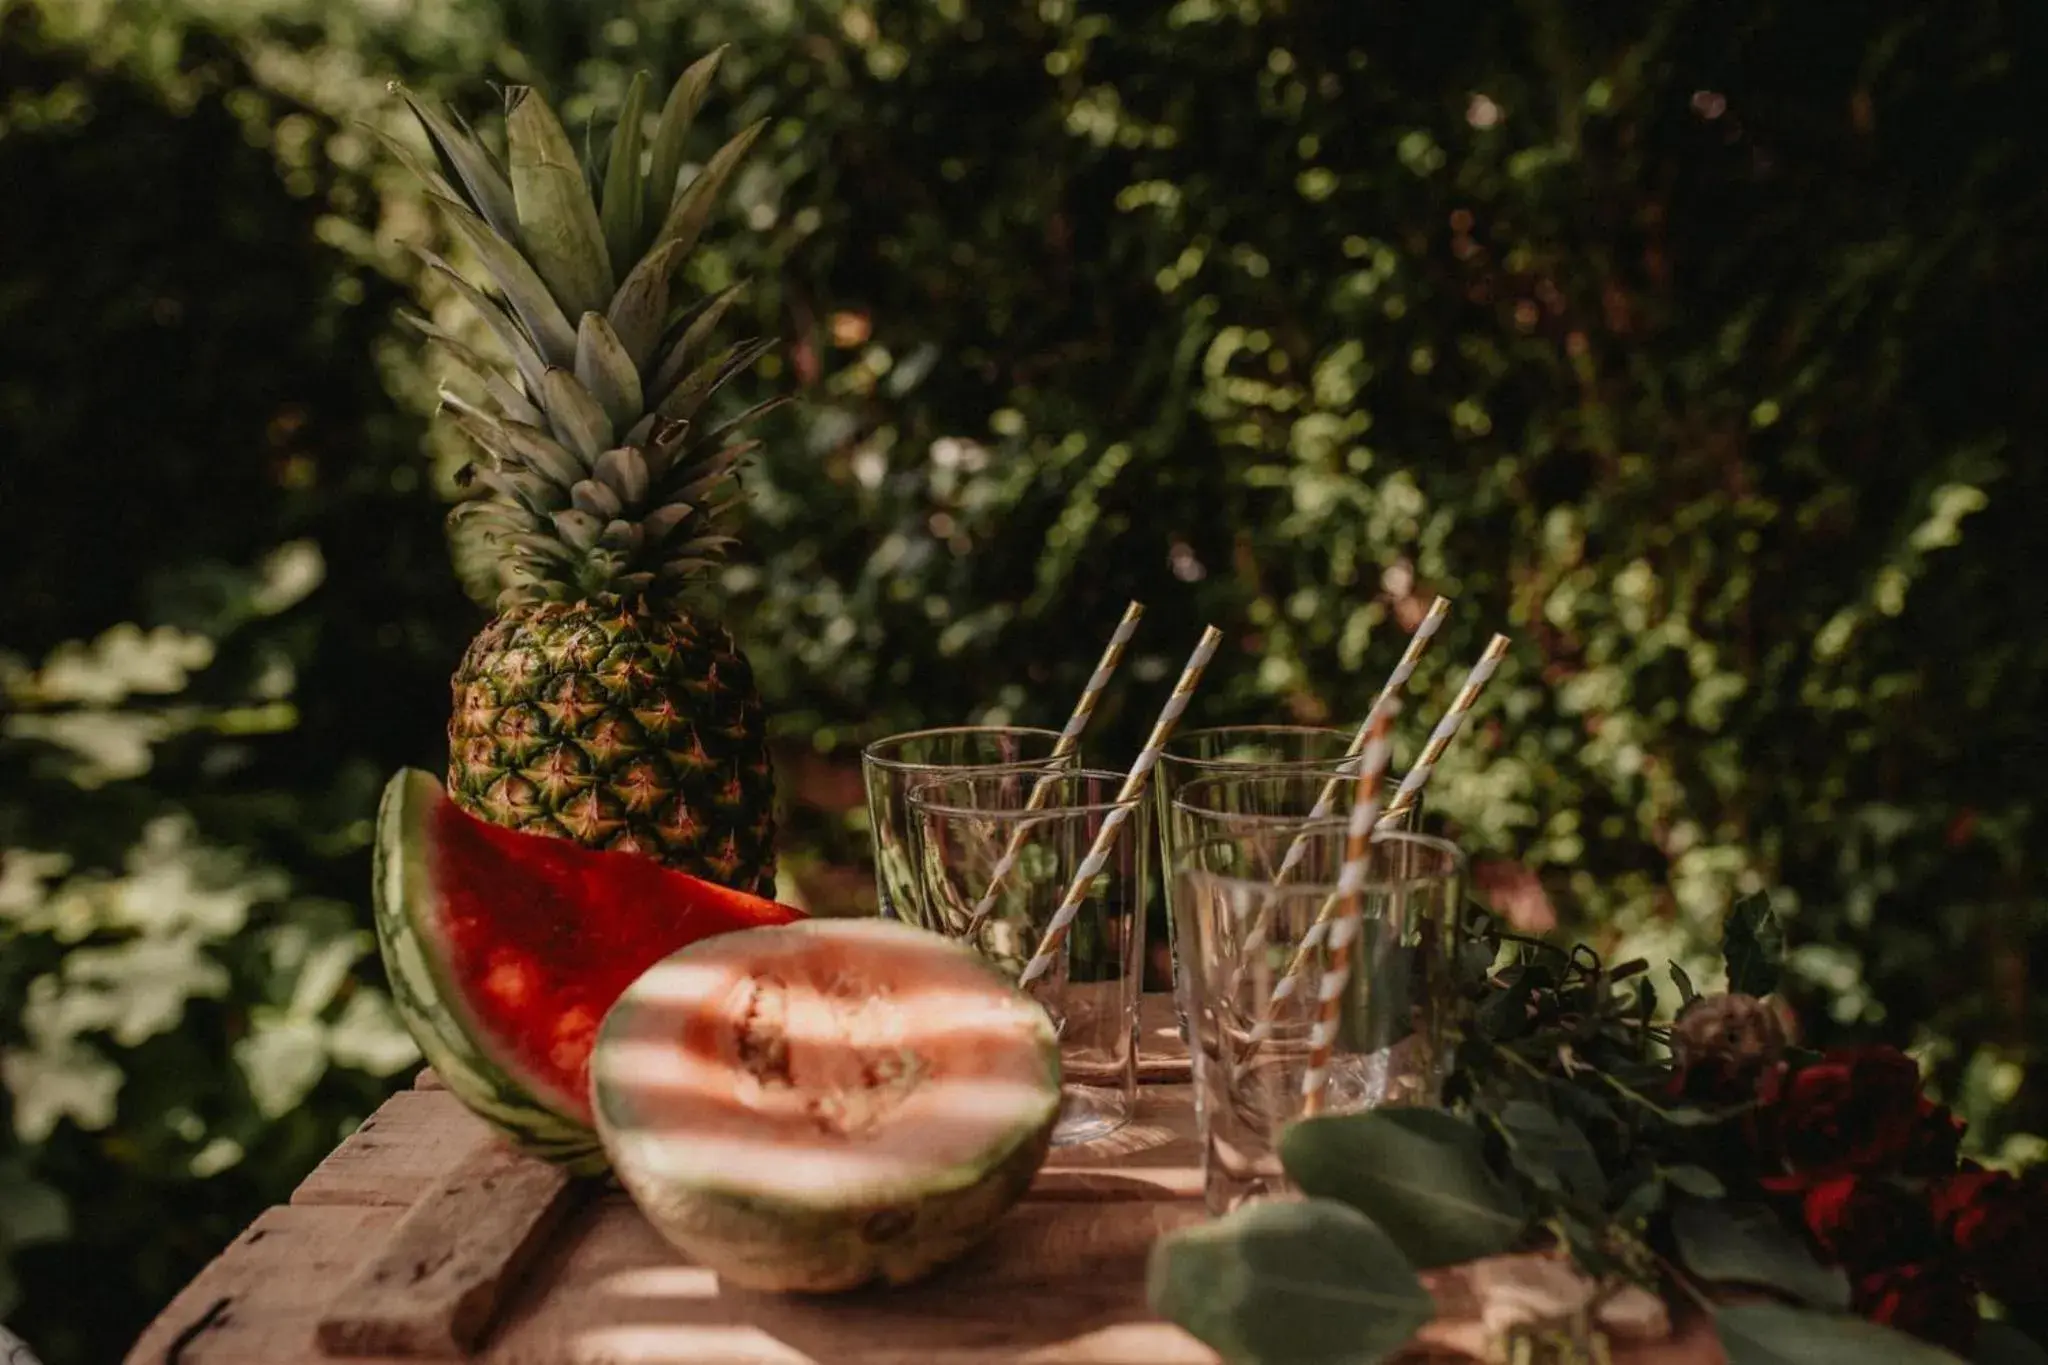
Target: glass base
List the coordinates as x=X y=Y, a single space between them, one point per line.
x=1089 y=1114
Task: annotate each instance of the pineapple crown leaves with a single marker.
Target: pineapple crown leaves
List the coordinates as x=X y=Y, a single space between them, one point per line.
x=602 y=472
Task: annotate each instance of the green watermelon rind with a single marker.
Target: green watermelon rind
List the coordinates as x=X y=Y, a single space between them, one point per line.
x=768 y=1241
x=402 y=876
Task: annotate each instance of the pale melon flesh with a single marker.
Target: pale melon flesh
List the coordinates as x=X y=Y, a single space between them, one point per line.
x=822 y=1105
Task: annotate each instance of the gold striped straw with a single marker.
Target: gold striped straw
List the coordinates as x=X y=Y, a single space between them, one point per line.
x=1255 y=935
x=1126 y=798
x=1365 y=812
x=1447 y=728
x=1410 y=788
x=1069 y=740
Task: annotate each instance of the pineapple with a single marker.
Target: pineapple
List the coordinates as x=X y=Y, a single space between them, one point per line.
x=595 y=707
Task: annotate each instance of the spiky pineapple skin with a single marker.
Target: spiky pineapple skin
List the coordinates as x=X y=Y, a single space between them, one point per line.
x=619 y=728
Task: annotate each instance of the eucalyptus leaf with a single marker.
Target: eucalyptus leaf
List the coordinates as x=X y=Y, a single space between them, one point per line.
x=1753 y=942
x=1697 y=1181
x=1419 y=1173
x=1748 y=1244
x=1775 y=1334
x=678 y=112
x=623 y=208
x=558 y=222
x=1548 y=1145
x=1283 y=1283
x=2001 y=1343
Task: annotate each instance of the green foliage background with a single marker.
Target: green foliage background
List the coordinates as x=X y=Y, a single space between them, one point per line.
x=1694 y=346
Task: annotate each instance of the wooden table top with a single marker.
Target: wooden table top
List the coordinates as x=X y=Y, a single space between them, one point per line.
x=1060 y=1280
x=421 y=1219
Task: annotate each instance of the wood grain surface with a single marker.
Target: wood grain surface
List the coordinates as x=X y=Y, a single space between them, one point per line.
x=409 y=1238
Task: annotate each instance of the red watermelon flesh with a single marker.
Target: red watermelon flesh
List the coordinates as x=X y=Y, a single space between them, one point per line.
x=538 y=937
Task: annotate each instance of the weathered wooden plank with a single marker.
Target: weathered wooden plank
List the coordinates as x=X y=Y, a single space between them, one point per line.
x=440 y=1278
x=257 y=1302
x=414 y=1140
x=1157 y=1155
x=1055 y=1282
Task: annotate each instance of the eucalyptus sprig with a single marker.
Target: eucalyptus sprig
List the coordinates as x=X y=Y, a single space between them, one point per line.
x=1569 y=1128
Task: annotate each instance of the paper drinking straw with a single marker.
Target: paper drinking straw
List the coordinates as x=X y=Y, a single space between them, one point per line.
x=1365 y=812
x=1255 y=935
x=1133 y=787
x=1069 y=740
x=1447 y=728
x=1410 y=788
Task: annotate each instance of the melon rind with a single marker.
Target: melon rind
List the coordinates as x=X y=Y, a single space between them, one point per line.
x=402 y=875
x=755 y=1240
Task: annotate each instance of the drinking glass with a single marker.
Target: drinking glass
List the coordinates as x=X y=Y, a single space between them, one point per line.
x=890 y=767
x=1239 y=933
x=1219 y=749
x=1208 y=752
x=1232 y=800
x=964 y=829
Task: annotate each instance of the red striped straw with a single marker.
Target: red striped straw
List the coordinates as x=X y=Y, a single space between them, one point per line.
x=1326 y=801
x=1344 y=930
x=1411 y=786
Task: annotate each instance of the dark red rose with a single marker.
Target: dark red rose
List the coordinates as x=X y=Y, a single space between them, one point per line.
x=1933 y=1303
x=1937 y=1140
x=1998 y=1225
x=1865 y=1223
x=1852 y=1112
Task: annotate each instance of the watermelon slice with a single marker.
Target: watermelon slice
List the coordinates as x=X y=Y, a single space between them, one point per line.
x=825 y=1105
x=505 y=950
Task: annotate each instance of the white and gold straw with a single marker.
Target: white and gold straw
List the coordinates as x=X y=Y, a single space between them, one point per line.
x=1447 y=728
x=1365 y=811
x=1404 y=796
x=1255 y=935
x=1069 y=740
x=1126 y=799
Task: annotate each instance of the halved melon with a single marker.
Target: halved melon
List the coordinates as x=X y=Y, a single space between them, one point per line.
x=505 y=950
x=825 y=1105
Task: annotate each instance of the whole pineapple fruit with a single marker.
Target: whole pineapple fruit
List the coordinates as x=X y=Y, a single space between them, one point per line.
x=595 y=707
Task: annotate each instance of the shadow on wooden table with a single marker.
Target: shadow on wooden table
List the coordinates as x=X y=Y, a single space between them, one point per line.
x=1060 y=1272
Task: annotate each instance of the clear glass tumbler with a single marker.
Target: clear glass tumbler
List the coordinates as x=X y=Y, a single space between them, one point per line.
x=993 y=871
x=890 y=767
x=1241 y=936
x=1220 y=749
x=1220 y=796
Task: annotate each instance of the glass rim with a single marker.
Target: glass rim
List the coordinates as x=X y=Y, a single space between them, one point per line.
x=870 y=752
x=1169 y=753
x=1265 y=886
x=918 y=800
x=1334 y=769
